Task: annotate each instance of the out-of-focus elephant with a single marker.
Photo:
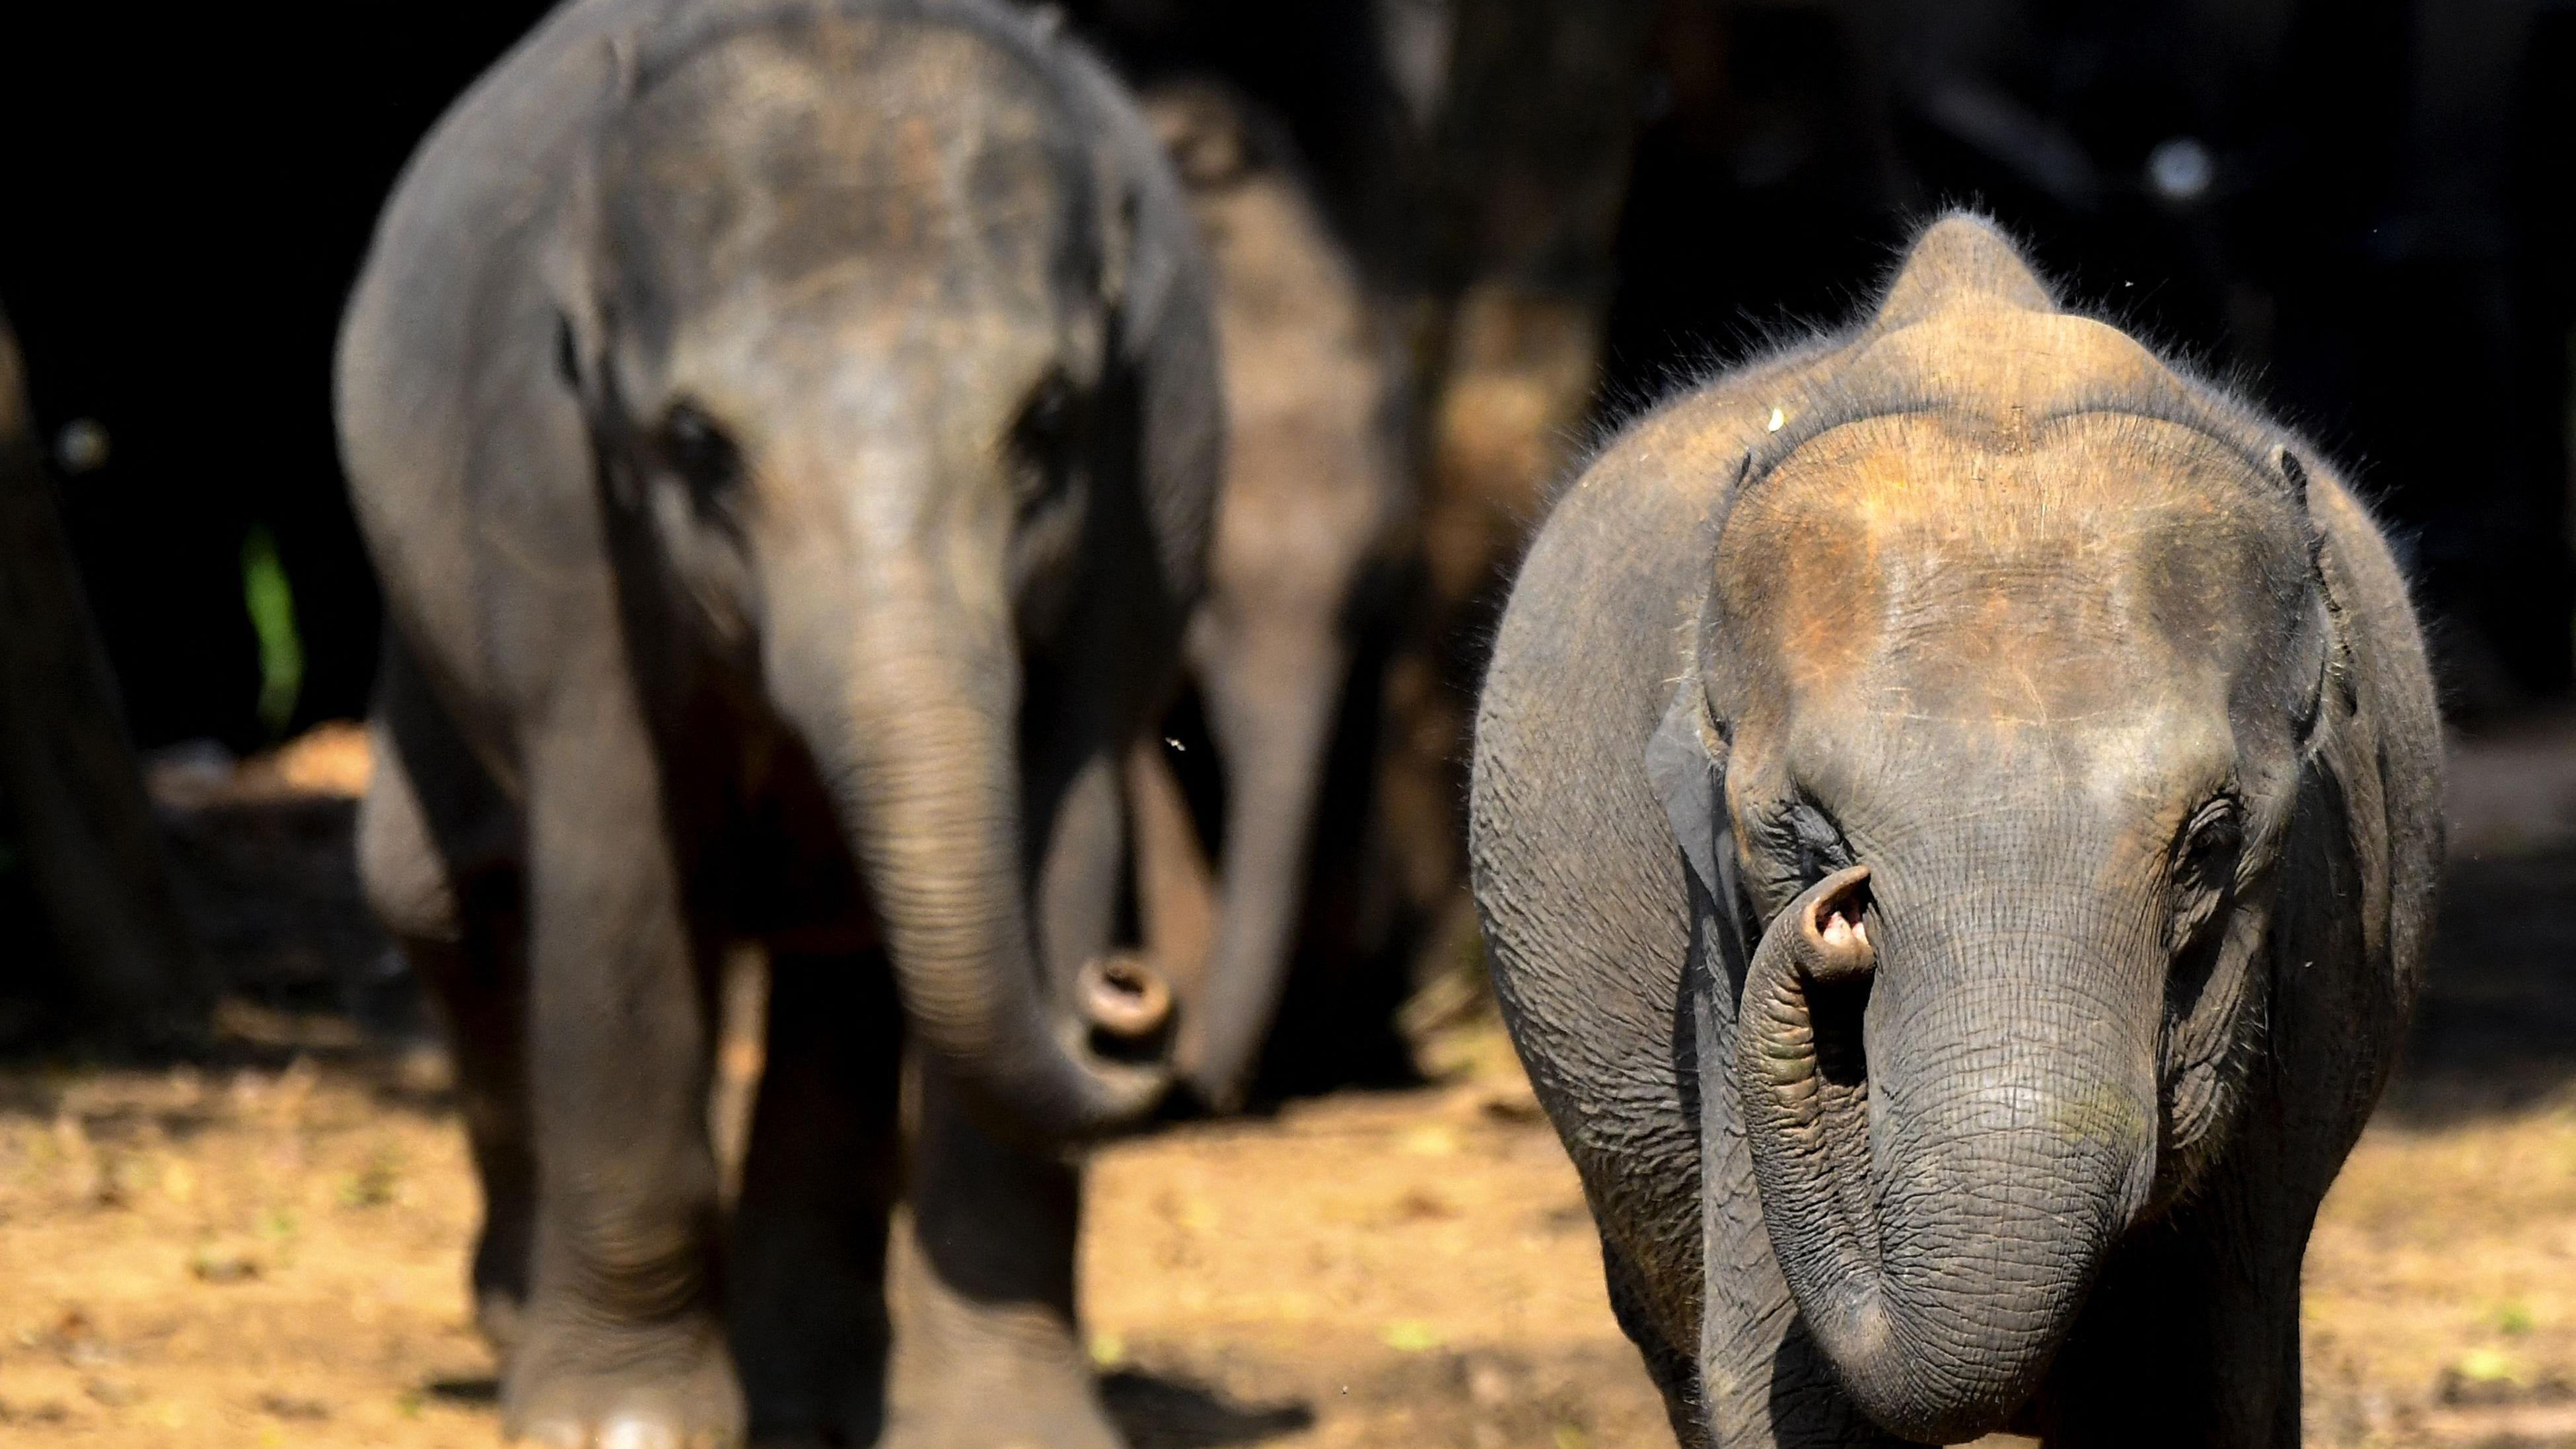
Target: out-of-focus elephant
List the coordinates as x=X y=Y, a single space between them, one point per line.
x=1308 y=521
x=1471 y=161
x=788 y=433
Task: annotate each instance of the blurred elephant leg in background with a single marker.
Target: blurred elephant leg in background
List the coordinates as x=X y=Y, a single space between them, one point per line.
x=1175 y=886
x=1313 y=500
x=805 y=1277
x=437 y=849
x=986 y=1345
x=1270 y=686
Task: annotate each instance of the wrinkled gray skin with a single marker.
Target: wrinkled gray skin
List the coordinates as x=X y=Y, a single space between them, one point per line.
x=1306 y=529
x=1954 y=819
x=787 y=434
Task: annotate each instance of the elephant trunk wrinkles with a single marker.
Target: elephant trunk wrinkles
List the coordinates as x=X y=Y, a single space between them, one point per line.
x=1941 y=1210
x=914 y=727
x=1275 y=756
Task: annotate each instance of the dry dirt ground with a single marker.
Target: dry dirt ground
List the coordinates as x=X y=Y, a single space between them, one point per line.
x=266 y=1248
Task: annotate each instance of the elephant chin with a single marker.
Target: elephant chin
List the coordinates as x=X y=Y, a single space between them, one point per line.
x=1941 y=1281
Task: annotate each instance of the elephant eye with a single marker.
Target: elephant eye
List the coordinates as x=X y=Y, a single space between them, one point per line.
x=1807 y=840
x=2207 y=858
x=1043 y=441
x=699 y=450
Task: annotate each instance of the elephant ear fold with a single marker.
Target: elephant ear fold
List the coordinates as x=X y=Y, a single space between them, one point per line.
x=1686 y=765
x=566 y=256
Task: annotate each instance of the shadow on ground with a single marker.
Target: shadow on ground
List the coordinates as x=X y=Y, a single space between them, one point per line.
x=1158 y=1412
x=1154 y=1411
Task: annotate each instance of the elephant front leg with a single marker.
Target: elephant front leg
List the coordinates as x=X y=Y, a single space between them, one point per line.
x=621 y=1342
x=987 y=1351
x=482 y=996
x=2192 y=1336
x=435 y=841
x=986 y=1346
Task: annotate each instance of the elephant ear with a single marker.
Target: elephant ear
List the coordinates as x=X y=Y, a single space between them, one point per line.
x=1686 y=766
x=566 y=260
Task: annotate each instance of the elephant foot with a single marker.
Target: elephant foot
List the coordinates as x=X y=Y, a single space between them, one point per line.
x=499 y=1280
x=976 y=1373
x=594 y=1386
x=1007 y=1406
x=497 y=1312
x=987 y=1354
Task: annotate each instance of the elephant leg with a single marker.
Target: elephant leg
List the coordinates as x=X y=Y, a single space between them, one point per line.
x=805 y=1279
x=1175 y=888
x=1271 y=690
x=987 y=1351
x=436 y=842
x=621 y=1342
x=986 y=1346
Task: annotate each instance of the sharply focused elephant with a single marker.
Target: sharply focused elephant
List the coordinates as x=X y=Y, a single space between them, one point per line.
x=1955 y=820
x=1307 y=527
x=787 y=431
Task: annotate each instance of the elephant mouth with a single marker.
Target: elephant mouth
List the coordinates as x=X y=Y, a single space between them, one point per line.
x=1840 y=963
x=1828 y=937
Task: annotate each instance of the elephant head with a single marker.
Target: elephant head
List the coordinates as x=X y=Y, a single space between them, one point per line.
x=2006 y=687
x=891 y=412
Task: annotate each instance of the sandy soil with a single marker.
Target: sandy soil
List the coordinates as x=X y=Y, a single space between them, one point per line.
x=268 y=1250
x=270 y=1255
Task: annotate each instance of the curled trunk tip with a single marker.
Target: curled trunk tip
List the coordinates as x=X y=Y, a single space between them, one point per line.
x=1932 y=1349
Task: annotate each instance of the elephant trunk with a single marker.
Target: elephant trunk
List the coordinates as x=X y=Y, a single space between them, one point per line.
x=1273 y=718
x=911 y=714
x=1942 y=1184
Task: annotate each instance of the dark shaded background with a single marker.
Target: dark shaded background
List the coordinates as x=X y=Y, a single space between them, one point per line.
x=188 y=192
x=2385 y=250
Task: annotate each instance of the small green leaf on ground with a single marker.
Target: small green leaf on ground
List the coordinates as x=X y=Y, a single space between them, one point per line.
x=2487 y=1365
x=1410 y=1335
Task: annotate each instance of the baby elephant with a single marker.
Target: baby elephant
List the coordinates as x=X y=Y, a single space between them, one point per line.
x=787 y=431
x=1955 y=823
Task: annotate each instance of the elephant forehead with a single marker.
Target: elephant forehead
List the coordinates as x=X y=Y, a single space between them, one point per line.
x=915 y=151
x=1908 y=567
